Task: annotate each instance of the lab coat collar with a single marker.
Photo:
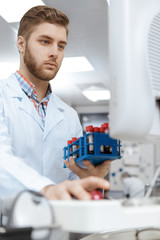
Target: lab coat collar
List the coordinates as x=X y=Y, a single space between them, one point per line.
x=55 y=107
x=17 y=92
x=13 y=83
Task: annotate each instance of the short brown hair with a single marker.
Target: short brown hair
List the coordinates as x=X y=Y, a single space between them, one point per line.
x=40 y=14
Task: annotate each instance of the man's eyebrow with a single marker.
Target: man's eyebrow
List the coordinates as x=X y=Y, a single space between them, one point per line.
x=45 y=36
x=50 y=38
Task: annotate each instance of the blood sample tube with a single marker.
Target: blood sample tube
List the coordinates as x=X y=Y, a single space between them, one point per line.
x=69 y=148
x=106 y=126
x=102 y=129
x=90 y=139
x=107 y=148
x=74 y=147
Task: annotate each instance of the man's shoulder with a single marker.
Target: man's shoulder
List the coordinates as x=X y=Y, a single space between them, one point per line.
x=61 y=104
x=5 y=81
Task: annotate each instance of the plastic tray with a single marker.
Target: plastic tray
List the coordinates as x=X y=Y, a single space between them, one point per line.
x=97 y=157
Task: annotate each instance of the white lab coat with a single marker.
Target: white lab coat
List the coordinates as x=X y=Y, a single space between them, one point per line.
x=31 y=156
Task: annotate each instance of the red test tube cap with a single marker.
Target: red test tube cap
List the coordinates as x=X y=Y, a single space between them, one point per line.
x=96 y=129
x=102 y=129
x=106 y=125
x=89 y=128
x=74 y=139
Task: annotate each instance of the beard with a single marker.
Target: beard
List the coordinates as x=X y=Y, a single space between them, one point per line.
x=35 y=69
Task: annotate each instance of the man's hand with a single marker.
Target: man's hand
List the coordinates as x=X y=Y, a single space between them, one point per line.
x=76 y=188
x=100 y=170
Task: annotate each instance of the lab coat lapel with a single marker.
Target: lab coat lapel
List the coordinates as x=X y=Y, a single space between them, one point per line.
x=23 y=102
x=54 y=115
x=28 y=107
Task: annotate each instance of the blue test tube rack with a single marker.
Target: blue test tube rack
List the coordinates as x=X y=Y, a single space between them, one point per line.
x=97 y=157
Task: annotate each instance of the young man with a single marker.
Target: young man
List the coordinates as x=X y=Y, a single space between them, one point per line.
x=34 y=123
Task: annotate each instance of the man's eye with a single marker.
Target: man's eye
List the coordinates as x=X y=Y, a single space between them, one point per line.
x=61 y=46
x=44 y=41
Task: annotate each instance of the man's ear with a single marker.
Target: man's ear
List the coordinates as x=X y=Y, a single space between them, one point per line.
x=21 y=44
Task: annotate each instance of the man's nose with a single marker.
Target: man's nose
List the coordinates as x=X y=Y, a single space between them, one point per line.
x=53 y=51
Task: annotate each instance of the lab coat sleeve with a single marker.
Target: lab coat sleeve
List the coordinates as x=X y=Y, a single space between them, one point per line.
x=14 y=169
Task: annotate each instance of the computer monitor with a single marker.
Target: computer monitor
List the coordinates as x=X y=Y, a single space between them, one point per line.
x=134 y=63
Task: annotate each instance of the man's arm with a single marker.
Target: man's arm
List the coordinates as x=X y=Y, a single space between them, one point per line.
x=76 y=188
x=13 y=169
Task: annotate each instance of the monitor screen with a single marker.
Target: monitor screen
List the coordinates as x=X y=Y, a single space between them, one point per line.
x=134 y=63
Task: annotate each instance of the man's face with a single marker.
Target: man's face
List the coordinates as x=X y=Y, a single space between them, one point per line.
x=44 y=50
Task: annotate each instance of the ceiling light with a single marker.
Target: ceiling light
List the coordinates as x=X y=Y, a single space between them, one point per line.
x=97 y=94
x=13 y=11
x=75 y=64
